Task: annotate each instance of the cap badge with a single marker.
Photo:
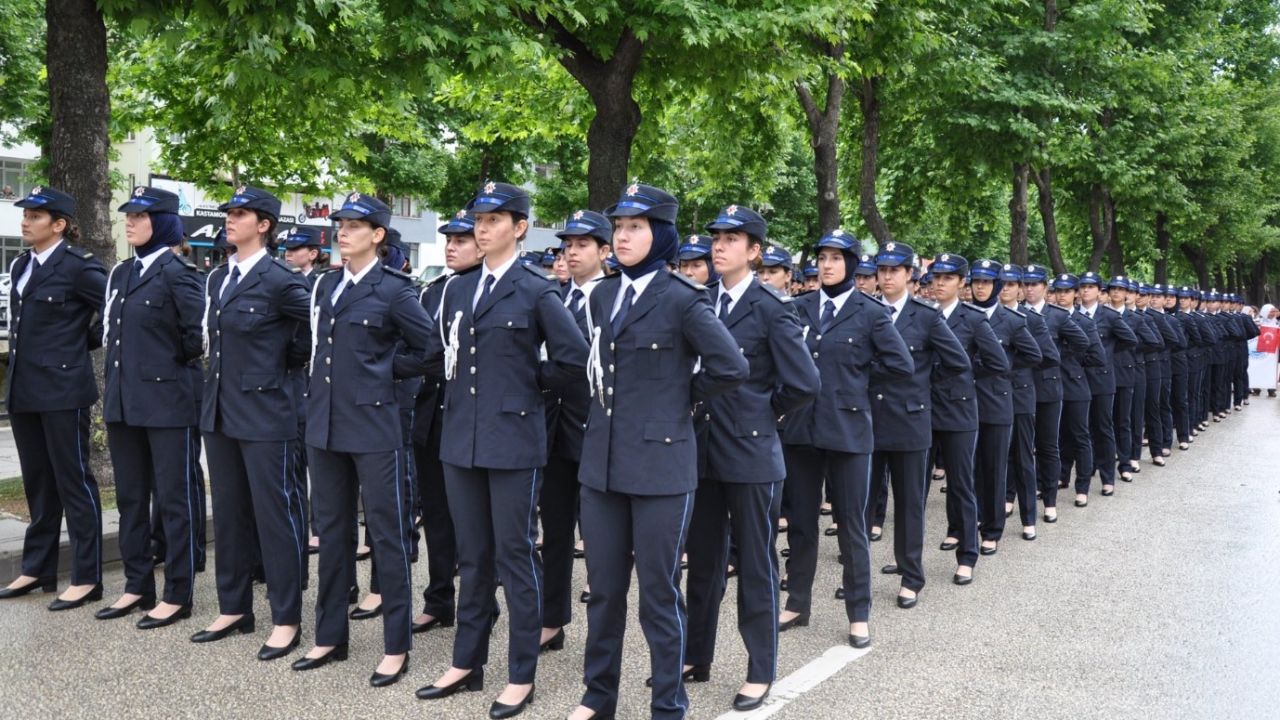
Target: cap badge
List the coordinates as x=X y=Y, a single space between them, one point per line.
x=36 y=190
x=577 y=215
x=489 y=187
x=460 y=214
x=240 y=190
x=889 y=246
x=138 y=191
x=632 y=189
x=731 y=210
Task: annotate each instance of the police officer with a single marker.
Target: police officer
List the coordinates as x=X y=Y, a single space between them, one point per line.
x=864 y=276
x=361 y=318
x=304 y=248
x=586 y=237
x=461 y=255
x=902 y=416
x=56 y=293
x=256 y=306
x=849 y=335
x=1021 y=485
x=810 y=275
x=695 y=260
x=638 y=468
x=1188 y=361
x=152 y=330
x=741 y=493
x=956 y=410
x=494 y=444
x=1055 y=386
x=1113 y=379
x=1151 y=330
x=995 y=399
x=1075 y=442
x=775 y=268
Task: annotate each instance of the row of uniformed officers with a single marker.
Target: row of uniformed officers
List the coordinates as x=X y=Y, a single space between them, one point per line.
x=658 y=414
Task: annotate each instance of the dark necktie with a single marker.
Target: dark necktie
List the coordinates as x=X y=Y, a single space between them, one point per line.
x=575 y=300
x=484 y=294
x=231 y=285
x=724 y=307
x=828 y=315
x=137 y=269
x=342 y=291
x=619 y=317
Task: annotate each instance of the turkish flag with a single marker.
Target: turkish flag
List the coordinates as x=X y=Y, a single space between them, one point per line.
x=1269 y=339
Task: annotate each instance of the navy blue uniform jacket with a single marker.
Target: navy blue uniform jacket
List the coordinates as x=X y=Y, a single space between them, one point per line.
x=955 y=399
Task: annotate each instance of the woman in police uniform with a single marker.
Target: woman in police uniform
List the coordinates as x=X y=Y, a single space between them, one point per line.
x=494 y=439
x=151 y=329
x=850 y=336
x=354 y=436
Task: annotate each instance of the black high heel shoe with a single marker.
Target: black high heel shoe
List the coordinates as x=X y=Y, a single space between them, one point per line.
x=94 y=595
x=499 y=711
x=471 y=682
x=46 y=584
x=337 y=654
x=151 y=623
x=695 y=674
x=111 y=613
x=268 y=652
x=743 y=703
x=801 y=620
x=244 y=626
x=362 y=614
x=555 y=643
x=380 y=680
x=434 y=622
x=859 y=641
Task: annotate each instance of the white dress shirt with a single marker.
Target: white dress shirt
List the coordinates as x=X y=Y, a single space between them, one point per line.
x=42 y=258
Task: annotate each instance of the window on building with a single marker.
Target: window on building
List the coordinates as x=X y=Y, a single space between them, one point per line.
x=14 y=184
x=10 y=247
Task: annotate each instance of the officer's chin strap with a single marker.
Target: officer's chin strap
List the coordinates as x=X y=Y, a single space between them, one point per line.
x=595 y=368
x=451 y=343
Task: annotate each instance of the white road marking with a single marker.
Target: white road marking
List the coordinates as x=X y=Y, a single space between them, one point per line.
x=800 y=682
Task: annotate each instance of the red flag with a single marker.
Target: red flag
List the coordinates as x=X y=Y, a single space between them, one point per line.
x=1269 y=339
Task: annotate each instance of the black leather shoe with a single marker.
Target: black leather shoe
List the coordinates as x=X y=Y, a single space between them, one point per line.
x=360 y=556
x=111 y=613
x=839 y=593
x=353 y=595
x=585 y=597
x=362 y=614
x=961 y=579
x=151 y=623
x=93 y=595
x=431 y=624
x=1051 y=519
x=695 y=674
x=984 y=550
x=471 y=682
x=1063 y=484
x=1028 y=535
x=244 y=626
x=555 y=643
x=906 y=603
x=498 y=710
x=949 y=546
x=875 y=536
x=831 y=532
x=377 y=679
x=1127 y=478
x=890 y=569
x=1082 y=503
x=1108 y=492
x=784 y=585
x=313 y=549
x=859 y=641
x=579 y=554
x=743 y=703
x=801 y=620
x=46 y=584
x=268 y=652
x=824 y=511
x=337 y=654
x=785 y=552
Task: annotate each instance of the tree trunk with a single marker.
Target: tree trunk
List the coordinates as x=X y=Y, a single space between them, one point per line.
x=1101 y=223
x=1018 y=215
x=1115 y=253
x=1198 y=263
x=870 y=105
x=1162 y=248
x=1257 y=290
x=79 y=110
x=824 y=127
x=1043 y=179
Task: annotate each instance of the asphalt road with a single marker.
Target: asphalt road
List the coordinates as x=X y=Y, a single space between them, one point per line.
x=1160 y=602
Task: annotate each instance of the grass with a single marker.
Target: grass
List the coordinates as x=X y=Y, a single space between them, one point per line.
x=13 y=499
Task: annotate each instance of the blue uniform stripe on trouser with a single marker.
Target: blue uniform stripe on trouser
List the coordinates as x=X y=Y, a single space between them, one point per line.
x=97 y=509
x=680 y=619
x=528 y=533
x=773 y=578
x=191 y=521
x=974 y=536
x=404 y=538
x=285 y=480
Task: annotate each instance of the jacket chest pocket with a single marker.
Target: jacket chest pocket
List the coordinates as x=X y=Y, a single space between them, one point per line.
x=247 y=315
x=513 y=333
x=51 y=301
x=364 y=322
x=150 y=309
x=656 y=353
x=852 y=401
x=763 y=427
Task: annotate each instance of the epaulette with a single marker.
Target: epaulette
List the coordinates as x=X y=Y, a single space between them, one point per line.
x=1056 y=308
x=398 y=273
x=875 y=300
x=973 y=307
x=695 y=285
x=285 y=265
x=923 y=304
x=775 y=293
x=441 y=278
x=1019 y=313
x=536 y=272
x=187 y=262
x=79 y=252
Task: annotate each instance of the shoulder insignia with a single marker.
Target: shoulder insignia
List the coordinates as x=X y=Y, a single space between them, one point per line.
x=536 y=272
x=874 y=300
x=441 y=278
x=1019 y=313
x=285 y=265
x=775 y=293
x=974 y=308
x=398 y=273
x=686 y=281
x=79 y=252
x=921 y=303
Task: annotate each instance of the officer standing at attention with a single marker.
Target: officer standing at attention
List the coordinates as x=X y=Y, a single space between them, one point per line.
x=1021 y=484
x=695 y=260
x=956 y=410
x=367 y=329
x=851 y=338
x=586 y=237
x=1125 y=362
x=1055 y=386
x=493 y=325
x=255 y=307
x=901 y=416
x=1112 y=379
x=152 y=330
x=775 y=268
x=996 y=402
x=55 y=297
x=864 y=276
x=1074 y=439
x=304 y=248
x=461 y=255
x=741 y=495
x=639 y=460
x=810 y=274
